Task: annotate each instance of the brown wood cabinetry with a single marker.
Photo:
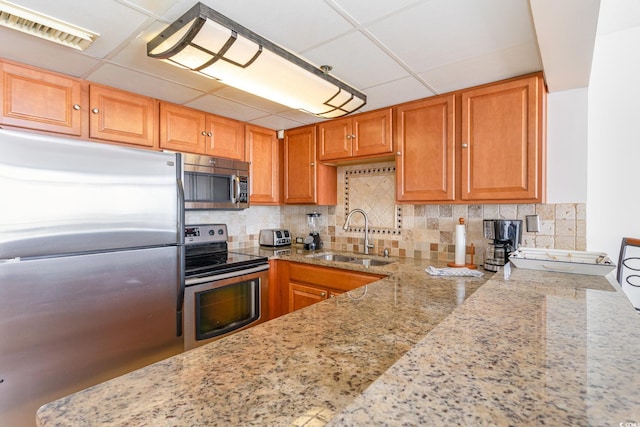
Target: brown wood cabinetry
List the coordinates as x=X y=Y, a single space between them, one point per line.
x=425 y=143
x=485 y=144
x=503 y=141
x=123 y=117
x=193 y=131
x=264 y=152
x=308 y=284
x=40 y=100
x=362 y=136
x=306 y=181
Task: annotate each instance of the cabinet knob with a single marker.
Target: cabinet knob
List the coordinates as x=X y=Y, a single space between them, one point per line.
x=322 y=294
x=348 y=136
x=209 y=134
x=398 y=153
x=203 y=133
x=76 y=106
x=465 y=145
x=353 y=136
x=95 y=111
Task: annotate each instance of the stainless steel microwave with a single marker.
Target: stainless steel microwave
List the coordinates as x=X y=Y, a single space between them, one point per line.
x=215 y=183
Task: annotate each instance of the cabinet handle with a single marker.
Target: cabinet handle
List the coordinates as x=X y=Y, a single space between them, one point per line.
x=353 y=136
x=95 y=111
x=322 y=294
x=76 y=106
x=348 y=136
x=313 y=164
x=203 y=133
x=465 y=145
x=398 y=153
x=209 y=134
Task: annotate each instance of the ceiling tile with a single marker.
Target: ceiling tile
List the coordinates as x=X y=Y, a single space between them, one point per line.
x=132 y=81
x=395 y=92
x=439 y=32
x=276 y=122
x=224 y=107
x=357 y=61
x=511 y=62
x=293 y=24
x=365 y=11
x=31 y=50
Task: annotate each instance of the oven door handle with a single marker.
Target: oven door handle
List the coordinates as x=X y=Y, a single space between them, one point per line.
x=214 y=277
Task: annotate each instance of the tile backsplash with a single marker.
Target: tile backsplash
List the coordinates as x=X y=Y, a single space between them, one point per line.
x=417 y=231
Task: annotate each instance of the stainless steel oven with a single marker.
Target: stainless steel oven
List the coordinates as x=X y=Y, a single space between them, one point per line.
x=225 y=292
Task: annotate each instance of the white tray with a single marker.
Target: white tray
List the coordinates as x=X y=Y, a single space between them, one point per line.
x=562 y=261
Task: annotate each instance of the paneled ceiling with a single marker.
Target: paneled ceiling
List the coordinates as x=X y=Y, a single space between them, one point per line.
x=393 y=51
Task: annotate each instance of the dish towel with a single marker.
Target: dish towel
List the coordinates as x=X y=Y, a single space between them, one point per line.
x=453 y=272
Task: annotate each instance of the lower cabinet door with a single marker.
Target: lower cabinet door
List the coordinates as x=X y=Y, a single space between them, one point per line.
x=301 y=296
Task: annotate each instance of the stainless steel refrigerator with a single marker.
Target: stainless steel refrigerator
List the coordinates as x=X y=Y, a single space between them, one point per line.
x=91 y=263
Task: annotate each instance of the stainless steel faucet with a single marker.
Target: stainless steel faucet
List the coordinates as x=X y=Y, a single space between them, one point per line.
x=345 y=227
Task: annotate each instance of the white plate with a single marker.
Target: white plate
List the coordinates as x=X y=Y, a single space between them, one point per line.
x=563 y=261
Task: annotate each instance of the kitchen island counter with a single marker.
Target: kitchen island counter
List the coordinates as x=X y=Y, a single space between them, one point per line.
x=538 y=348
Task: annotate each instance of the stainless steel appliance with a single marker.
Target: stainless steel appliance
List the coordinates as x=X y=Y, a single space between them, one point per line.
x=505 y=236
x=313 y=241
x=275 y=237
x=225 y=292
x=90 y=266
x=215 y=183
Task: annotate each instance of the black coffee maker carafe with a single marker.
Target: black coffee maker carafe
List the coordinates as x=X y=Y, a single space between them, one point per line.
x=505 y=236
x=313 y=241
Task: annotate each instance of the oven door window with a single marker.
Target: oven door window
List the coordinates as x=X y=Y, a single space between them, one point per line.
x=228 y=308
x=207 y=188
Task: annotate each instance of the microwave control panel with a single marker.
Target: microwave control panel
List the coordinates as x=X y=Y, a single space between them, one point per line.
x=243 y=193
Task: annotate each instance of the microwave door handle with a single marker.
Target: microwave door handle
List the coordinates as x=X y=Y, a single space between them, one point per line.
x=236 y=189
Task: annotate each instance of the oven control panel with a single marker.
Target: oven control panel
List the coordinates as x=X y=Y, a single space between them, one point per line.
x=205 y=233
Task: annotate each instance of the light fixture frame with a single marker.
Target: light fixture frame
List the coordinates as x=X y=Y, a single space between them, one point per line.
x=202 y=13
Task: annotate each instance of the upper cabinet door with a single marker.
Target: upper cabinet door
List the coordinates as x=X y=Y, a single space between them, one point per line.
x=40 y=100
x=264 y=154
x=334 y=139
x=182 y=129
x=372 y=133
x=425 y=160
x=225 y=138
x=123 y=117
x=300 y=165
x=503 y=141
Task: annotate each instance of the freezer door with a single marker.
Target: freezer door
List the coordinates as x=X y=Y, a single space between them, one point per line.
x=62 y=196
x=72 y=322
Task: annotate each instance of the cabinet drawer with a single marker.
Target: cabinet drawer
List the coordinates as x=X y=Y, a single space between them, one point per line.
x=334 y=278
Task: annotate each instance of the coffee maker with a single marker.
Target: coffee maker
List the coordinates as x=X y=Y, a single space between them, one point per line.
x=505 y=236
x=312 y=241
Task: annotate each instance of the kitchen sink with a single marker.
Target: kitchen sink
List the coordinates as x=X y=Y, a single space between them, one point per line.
x=328 y=256
x=370 y=262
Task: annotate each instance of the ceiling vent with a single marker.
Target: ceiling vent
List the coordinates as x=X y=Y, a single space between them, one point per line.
x=45 y=27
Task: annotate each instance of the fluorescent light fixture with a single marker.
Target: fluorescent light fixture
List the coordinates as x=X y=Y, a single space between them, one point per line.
x=204 y=41
x=48 y=28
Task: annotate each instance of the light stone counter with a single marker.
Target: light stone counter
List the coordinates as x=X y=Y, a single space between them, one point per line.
x=537 y=349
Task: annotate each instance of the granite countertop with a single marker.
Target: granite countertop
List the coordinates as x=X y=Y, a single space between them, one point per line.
x=539 y=348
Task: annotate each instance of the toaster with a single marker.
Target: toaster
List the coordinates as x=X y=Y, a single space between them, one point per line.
x=275 y=237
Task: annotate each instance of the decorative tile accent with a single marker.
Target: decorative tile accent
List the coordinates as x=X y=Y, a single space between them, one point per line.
x=372 y=189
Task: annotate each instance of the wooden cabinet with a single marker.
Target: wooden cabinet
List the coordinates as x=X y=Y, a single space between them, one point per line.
x=503 y=141
x=182 y=129
x=193 y=131
x=485 y=144
x=225 y=137
x=362 y=136
x=123 y=117
x=425 y=143
x=308 y=284
x=306 y=181
x=264 y=152
x=40 y=100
